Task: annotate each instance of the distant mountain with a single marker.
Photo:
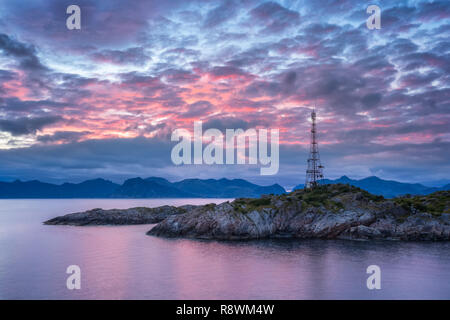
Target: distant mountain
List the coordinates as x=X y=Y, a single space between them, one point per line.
x=386 y=188
x=153 y=187
x=148 y=188
x=97 y=188
x=160 y=181
x=225 y=188
x=156 y=187
x=437 y=183
x=28 y=189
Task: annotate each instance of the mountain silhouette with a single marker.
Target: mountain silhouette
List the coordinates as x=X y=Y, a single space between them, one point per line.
x=152 y=187
x=157 y=187
x=386 y=188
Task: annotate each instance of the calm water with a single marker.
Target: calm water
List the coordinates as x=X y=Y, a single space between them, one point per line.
x=123 y=263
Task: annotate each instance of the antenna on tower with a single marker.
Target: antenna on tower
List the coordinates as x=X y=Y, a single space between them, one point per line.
x=314 y=172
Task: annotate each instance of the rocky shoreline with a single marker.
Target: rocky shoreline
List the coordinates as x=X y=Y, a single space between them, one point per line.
x=132 y=216
x=329 y=212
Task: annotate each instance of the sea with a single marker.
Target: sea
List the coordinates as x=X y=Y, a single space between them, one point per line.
x=122 y=262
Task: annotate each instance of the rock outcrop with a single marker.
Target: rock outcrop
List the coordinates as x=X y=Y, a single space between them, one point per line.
x=139 y=215
x=328 y=212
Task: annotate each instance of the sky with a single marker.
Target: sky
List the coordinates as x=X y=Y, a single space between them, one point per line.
x=104 y=100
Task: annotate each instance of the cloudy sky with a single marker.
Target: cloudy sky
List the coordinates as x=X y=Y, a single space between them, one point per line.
x=103 y=101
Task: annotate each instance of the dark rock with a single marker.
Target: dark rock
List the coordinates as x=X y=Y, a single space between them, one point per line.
x=328 y=212
x=139 y=215
x=333 y=212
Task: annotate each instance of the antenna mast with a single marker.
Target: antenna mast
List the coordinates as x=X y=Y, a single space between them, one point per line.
x=314 y=173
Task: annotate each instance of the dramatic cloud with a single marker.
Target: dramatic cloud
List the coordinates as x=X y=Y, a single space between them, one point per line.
x=104 y=100
x=25 y=54
x=21 y=126
x=63 y=136
x=275 y=17
x=129 y=56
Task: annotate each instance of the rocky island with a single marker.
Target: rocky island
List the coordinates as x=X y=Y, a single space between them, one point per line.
x=327 y=212
x=138 y=215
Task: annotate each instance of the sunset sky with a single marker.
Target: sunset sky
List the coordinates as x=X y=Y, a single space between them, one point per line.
x=103 y=101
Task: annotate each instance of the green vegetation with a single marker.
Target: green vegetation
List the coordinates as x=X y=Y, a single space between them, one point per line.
x=321 y=196
x=259 y=202
x=323 y=192
x=435 y=203
x=337 y=197
x=333 y=196
x=210 y=205
x=245 y=205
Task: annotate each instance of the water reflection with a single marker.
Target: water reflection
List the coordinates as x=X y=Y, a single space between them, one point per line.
x=122 y=262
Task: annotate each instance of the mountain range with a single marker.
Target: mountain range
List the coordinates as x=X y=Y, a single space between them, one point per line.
x=153 y=187
x=386 y=188
x=156 y=187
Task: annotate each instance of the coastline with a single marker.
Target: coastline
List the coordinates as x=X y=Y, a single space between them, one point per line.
x=333 y=212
